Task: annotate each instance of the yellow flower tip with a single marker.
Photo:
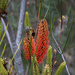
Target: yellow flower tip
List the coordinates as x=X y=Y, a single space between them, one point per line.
x=55 y=62
x=26 y=13
x=50 y=47
x=63 y=17
x=61 y=30
x=54 y=50
x=59 y=20
x=63 y=63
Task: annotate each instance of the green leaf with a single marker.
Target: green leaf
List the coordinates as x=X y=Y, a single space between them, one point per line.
x=3 y=71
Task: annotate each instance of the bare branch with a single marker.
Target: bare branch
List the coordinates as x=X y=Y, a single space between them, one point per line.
x=7 y=34
x=14 y=43
x=61 y=54
x=10 y=32
x=21 y=21
x=14 y=46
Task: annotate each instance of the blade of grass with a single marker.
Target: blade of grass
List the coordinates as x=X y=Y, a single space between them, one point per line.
x=52 y=26
x=59 y=4
x=42 y=68
x=66 y=24
x=16 y=50
x=68 y=34
x=31 y=67
x=71 y=38
x=67 y=37
x=61 y=13
x=56 y=8
x=46 y=12
x=3 y=50
x=69 y=10
x=40 y=8
x=61 y=53
x=4 y=34
x=71 y=42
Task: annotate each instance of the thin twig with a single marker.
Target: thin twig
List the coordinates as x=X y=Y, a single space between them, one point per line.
x=56 y=51
x=18 y=59
x=7 y=34
x=10 y=32
x=59 y=49
x=61 y=54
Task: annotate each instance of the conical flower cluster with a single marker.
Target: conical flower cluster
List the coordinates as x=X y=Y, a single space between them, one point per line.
x=42 y=43
x=43 y=40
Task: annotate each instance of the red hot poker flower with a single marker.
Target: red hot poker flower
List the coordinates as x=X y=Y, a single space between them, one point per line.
x=42 y=40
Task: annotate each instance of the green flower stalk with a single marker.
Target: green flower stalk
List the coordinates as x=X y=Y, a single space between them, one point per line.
x=60 y=68
x=27 y=22
x=49 y=58
x=35 y=67
x=46 y=70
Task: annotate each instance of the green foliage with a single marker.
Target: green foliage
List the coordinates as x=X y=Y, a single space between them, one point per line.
x=3 y=4
x=49 y=58
x=60 y=68
x=2 y=61
x=47 y=69
x=35 y=67
x=3 y=71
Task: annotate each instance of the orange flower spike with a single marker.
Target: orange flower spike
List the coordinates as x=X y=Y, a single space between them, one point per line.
x=26 y=48
x=43 y=40
x=29 y=45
